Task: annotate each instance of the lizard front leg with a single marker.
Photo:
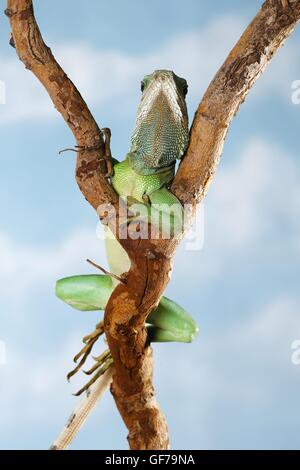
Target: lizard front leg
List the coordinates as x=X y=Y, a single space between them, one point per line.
x=160 y=208
x=107 y=152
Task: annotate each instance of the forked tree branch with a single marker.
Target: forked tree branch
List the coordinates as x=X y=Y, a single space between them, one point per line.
x=38 y=58
x=265 y=34
x=151 y=260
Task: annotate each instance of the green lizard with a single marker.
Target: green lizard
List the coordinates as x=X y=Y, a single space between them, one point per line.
x=160 y=137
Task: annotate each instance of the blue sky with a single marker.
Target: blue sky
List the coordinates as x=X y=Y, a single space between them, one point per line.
x=235 y=386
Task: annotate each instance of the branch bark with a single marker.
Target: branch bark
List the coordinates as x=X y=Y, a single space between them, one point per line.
x=266 y=33
x=151 y=260
x=38 y=58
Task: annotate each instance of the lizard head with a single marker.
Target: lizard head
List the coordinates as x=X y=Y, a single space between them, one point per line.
x=161 y=131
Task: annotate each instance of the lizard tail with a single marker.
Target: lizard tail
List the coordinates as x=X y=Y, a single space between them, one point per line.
x=82 y=411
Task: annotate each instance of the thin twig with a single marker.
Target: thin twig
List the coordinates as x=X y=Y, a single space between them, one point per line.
x=67 y=150
x=105 y=271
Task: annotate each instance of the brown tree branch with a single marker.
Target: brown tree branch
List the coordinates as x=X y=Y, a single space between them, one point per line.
x=227 y=91
x=151 y=260
x=38 y=58
x=128 y=308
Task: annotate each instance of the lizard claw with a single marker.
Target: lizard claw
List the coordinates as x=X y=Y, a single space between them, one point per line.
x=103 y=362
x=100 y=361
x=106 y=365
x=89 y=341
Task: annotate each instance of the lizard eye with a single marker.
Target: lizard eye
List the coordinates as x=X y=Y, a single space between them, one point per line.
x=142 y=86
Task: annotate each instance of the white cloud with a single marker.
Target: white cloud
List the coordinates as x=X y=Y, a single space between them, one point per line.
x=260 y=188
x=228 y=367
x=253 y=200
x=108 y=75
x=111 y=77
x=197 y=55
x=34 y=378
x=23 y=266
x=245 y=368
x=39 y=343
x=281 y=72
x=25 y=97
x=251 y=197
x=103 y=76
